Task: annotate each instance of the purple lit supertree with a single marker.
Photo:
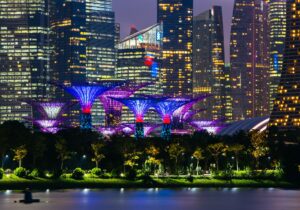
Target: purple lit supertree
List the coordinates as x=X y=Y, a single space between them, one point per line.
x=47 y=126
x=86 y=95
x=166 y=108
x=49 y=115
x=50 y=110
x=113 y=108
x=184 y=113
x=139 y=106
x=213 y=127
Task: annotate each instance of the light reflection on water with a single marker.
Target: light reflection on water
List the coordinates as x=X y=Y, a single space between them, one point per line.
x=158 y=199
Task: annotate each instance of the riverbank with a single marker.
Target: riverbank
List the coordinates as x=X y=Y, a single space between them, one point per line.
x=15 y=183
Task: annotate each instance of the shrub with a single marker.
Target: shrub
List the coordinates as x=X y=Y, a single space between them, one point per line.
x=35 y=173
x=96 y=172
x=190 y=179
x=105 y=176
x=20 y=172
x=78 y=174
x=1 y=173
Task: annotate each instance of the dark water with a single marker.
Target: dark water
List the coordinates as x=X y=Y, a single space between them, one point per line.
x=159 y=199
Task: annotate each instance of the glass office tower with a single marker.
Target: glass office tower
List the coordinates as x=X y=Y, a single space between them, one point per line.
x=177 y=19
x=24 y=56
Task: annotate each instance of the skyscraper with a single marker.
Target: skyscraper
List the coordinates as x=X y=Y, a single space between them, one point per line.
x=286 y=110
x=277 y=30
x=209 y=63
x=249 y=59
x=177 y=19
x=83 y=44
x=24 y=55
x=139 y=60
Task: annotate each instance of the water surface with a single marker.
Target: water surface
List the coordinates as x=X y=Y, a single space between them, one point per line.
x=158 y=199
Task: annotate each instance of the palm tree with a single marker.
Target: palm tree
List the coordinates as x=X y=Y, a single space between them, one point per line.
x=198 y=155
x=63 y=153
x=236 y=149
x=20 y=154
x=216 y=150
x=175 y=151
x=98 y=154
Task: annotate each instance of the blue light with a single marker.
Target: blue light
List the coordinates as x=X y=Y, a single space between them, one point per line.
x=154 y=70
x=275 y=63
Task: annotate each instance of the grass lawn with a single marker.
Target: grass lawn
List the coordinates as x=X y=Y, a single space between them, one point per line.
x=15 y=183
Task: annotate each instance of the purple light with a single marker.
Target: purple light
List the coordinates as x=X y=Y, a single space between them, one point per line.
x=167 y=107
x=139 y=106
x=180 y=112
x=52 y=110
x=213 y=127
x=86 y=95
x=113 y=108
x=148 y=128
x=47 y=126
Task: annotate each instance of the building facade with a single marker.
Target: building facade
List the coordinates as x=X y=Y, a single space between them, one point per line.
x=286 y=110
x=177 y=19
x=249 y=47
x=83 y=43
x=24 y=56
x=277 y=32
x=134 y=53
x=209 y=63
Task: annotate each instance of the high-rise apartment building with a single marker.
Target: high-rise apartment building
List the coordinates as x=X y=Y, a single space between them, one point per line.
x=249 y=59
x=286 y=112
x=277 y=32
x=209 y=64
x=177 y=19
x=24 y=56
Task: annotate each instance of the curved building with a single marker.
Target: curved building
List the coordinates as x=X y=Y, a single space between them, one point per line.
x=258 y=123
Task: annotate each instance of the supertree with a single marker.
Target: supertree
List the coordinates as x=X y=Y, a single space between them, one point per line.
x=86 y=95
x=213 y=127
x=166 y=108
x=113 y=108
x=49 y=117
x=184 y=113
x=47 y=126
x=50 y=110
x=139 y=106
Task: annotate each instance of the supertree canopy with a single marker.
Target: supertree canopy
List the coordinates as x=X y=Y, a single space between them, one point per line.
x=113 y=108
x=184 y=113
x=47 y=126
x=52 y=110
x=139 y=106
x=166 y=108
x=86 y=95
x=213 y=127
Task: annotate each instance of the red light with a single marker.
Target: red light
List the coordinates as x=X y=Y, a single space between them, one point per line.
x=167 y=120
x=148 y=62
x=139 y=119
x=86 y=110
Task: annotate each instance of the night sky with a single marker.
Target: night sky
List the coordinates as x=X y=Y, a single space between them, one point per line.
x=142 y=13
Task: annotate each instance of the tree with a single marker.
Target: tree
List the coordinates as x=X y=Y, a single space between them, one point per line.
x=63 y=153
x=259 y=146
x=175 y=151
x=98 y=153
x=216 y=150
x=236 y=149
x=38 y=147
x=20 y=154
x=152 y=161
x=131 y=158
x=198 y=155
